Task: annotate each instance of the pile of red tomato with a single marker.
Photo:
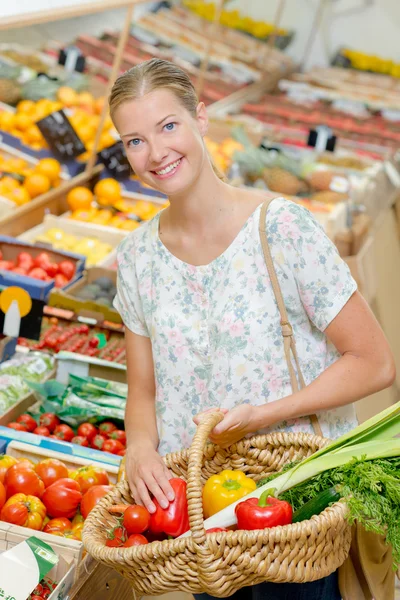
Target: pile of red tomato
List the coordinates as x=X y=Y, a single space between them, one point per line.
x=43 y=589
x=41 y=268
x=47 y=497
x=107 y=437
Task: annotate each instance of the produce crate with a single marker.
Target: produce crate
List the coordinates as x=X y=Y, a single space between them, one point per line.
x=90 y=308
x=78 y=229
x=38 y=290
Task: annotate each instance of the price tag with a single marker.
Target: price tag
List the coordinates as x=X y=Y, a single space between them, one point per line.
x=72 y=59
x=115 y=161
x=321 y=138
x=61 y=136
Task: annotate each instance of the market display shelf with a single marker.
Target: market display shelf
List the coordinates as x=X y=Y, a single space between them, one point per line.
x=82 y=366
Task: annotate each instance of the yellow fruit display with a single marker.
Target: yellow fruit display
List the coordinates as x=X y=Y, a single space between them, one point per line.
x=142 y=209
x=94 y=250
x=222 y=153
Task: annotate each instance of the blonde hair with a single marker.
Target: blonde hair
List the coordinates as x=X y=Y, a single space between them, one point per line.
x=153 y=75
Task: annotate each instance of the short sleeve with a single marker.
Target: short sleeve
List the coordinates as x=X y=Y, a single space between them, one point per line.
x=323 y=279
x=127 y=301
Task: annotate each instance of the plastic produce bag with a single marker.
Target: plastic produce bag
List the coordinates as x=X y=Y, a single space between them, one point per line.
x=31 y=367
x=12 y=390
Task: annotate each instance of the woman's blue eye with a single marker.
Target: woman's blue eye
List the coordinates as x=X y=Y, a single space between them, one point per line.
x=169 y=126
x=134 y=142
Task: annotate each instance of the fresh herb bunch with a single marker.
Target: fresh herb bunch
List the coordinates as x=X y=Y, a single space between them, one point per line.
x=371 y=489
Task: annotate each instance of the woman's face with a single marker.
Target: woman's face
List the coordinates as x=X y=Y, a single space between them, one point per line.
x=163 y=141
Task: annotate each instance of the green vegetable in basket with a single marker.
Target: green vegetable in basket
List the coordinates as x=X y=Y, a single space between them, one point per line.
x=365 y=463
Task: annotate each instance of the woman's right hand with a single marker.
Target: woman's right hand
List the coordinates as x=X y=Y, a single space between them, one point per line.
x=147 y=474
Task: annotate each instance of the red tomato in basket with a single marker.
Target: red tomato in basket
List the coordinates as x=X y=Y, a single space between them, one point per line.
x=50 y=470
x=38 y=273
x=42 y=260
x=62 y=498
x=60 y=280
x=116 y=537
x=64 y=432
x=17 y=426
x=6 y=265
x=87 y=430
x=20 y=271
x=25 y=261
x=51 y=269
x=92 y=497
x=66 y=268
x=98 y=442
x=49 y=420
x=136 y=519
x=80 y=440
x=61 y=524
x=28 y=422
x=22 y=479
x=106 y=428
x=118 y=434
x=113 y=446
x=135 y=540
x=41 y=431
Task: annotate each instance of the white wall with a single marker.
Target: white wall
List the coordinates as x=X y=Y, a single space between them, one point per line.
x=372 y=26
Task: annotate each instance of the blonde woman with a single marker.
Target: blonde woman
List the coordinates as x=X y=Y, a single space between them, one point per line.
x=202 y=323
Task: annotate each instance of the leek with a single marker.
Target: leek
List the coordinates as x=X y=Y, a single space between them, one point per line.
x=377 y=438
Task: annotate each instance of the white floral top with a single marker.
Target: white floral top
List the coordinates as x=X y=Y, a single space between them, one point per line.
x=215 y=329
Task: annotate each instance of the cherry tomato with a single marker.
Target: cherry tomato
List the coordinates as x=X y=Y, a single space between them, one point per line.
x=84 y=329
x=136 y=519
x=98 y=442
x=38 y=589
x=92 y=497
x=49 y=420
x=94 y=342
x=64 y=432
x=50 y=470
x=113 y=446
x=66 y=268
x=28 y=421
x=118 y=434
x=135 y=539
x=62 y=498
x=215 y=529
x=106 y=428
x=23 y=479
x=87 y=430
x=17 y=426
x=36 y=597
x=41 y=431
x=116 y=537
x=80 y=440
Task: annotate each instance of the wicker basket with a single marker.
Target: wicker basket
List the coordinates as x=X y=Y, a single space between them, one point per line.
x=221 y=563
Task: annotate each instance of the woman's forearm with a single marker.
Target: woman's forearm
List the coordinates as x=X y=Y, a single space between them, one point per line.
x=347 y=380
x=140 y=419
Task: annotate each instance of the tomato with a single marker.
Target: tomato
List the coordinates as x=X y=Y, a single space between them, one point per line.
x=136 y=519
x=89 y=476
x=64 y=432
x=51 y=269
x=61 y=524
x=98 y=442
x=38 y=273
x=216 y=529
x=42 y=259
x=116 y=537
x=24 y=258
x=17 y=426
x=60 y=280
x=24 y=510
x=113 y=446
x=66 y=268
x=36 y=597
x=38 y=589
x=2 y=495
x=50 y=470
x=92 y=497
x=121 y=452
x=6 y=265
x=94 y=342
x=87 y=430
x=118 y=434
x=41 y=431
x=20 y=271
x=62 y=498
x=80 y=440
x=135 y=540
x=21 y=478
x=28 y=421
x=49 y=420
x=106 y=428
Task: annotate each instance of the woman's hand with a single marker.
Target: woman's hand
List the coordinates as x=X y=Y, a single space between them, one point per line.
x=236 y=423
x=147 y=474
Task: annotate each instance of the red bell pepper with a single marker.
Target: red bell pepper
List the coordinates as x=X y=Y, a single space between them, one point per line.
x=265 y=512
x=173 y=520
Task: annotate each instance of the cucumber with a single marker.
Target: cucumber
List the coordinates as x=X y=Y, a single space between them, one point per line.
x=316 y=505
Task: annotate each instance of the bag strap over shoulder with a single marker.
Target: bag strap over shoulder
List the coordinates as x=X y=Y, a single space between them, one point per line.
x=287 y=331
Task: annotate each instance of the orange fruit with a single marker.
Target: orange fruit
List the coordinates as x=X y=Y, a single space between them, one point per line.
x=7 y=120
x=108 y=189
x=9 y=183
x=79 y=198
x=33 y=135
x=98 y=104
x=15 y=165
x=49 y=167
x=85 y=132
x=37 y=184
x=67 y=96
x=20 y=196
x=22 y=121
x=85 y=99
x=26 y=106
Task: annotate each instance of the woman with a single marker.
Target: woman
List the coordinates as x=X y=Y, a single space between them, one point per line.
x=202 y=324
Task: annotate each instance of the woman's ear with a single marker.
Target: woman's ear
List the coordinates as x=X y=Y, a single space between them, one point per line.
x=202 y=118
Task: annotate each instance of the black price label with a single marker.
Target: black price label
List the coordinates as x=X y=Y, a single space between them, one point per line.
x=61 y=136
x=322 y=138
x=115 y=161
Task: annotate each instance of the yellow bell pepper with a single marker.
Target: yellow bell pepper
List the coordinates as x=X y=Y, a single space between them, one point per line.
x=225 y=488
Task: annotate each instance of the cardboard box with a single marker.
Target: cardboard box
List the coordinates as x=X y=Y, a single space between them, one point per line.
x=38 y=290
x=67 y=299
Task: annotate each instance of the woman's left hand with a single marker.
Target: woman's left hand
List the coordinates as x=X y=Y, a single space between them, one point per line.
x=236 y=423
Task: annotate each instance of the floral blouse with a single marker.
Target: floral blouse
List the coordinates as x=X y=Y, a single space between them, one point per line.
x=215 y=329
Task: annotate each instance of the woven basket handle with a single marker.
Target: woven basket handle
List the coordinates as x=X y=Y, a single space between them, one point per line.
x=195 y=463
